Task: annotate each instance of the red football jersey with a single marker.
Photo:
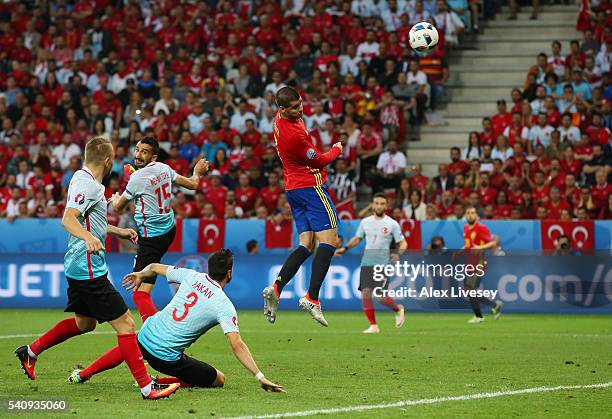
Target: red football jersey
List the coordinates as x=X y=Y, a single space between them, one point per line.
x=303 y=165
x=477 y=235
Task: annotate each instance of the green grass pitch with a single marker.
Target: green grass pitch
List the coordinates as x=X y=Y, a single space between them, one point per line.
x=435 y=355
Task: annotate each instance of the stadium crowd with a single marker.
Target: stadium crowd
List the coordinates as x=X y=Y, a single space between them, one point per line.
x=201 y=77
x=547 y=154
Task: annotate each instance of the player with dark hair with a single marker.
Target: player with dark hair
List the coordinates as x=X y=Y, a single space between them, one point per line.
x=311 y=206
x=91 y=296
x=199 y=304
x=150 y=187
x=378 y=230
x=477 y=238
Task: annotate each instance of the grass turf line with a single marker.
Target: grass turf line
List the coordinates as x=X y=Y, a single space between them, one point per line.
x=434 y=355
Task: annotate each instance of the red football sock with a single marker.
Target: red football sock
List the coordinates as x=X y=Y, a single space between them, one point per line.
x=65 y=329
x=145 y=305
x=106 y=362
x=172 y=380
x=368 y=309
x=128 y=345
x=388 y=302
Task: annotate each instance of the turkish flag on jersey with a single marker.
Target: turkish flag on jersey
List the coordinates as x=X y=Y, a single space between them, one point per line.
x=346 y=210
x=211 y=235
x=177 y=244
x=580 y=233
x=411 y=229
x=278 y=235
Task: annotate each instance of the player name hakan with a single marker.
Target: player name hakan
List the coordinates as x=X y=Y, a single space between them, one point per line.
x=428 y=292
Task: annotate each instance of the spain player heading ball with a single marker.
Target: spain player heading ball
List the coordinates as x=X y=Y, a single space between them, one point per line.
x=311 y=207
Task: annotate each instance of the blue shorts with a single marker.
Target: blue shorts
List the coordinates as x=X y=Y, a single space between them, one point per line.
x=312 y=209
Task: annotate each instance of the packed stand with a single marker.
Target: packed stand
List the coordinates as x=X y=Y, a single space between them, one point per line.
x=547 y=154
x=201 y=78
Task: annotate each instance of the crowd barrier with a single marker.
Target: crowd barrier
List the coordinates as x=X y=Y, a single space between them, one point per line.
x=525 y=282
x=48 y=236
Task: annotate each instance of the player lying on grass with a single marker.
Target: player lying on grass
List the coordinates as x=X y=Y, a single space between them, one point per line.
x=199 y=305
x=91 y=296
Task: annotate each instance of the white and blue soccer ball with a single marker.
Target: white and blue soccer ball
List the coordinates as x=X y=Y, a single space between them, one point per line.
x=423 y=37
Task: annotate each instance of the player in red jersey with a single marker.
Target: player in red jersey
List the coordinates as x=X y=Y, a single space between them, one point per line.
x=311 y=206
x=477 y=238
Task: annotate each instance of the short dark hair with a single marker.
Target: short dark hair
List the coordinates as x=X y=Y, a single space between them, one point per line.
x=152 y=142
x=379 y=195
x=219 y=264
x=285 y=96
x=250 y=245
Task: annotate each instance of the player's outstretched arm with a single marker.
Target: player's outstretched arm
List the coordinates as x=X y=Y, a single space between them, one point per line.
x=118 y=201
x=354 y=241
x=133 y=280
x=122 y=233
x=73 y=227
x=200 y=169
x=242 y=352
x=306 y=153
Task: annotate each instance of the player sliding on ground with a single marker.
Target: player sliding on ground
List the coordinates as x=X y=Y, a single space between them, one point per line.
x=199 y=305
x=312 y=209
x=477 y=238
x=91 y=296
x=379 y=230
x=151 y=188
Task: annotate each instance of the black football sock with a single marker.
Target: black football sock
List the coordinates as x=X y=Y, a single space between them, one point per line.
x=487 y=302
x=476 y=306
x=290 y=267
x=320 y=266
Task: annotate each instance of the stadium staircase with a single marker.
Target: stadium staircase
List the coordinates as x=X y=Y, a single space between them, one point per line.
x=486 y=69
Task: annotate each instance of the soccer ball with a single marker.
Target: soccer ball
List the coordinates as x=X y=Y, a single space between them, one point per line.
x=423 y=37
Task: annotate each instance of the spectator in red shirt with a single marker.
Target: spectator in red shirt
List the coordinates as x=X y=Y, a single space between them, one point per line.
x=216 y=193
x=457 y=165
x=502 y=207
x=601 y=190
x=417 y=180
x=556 y=203
x=541 y=162
x=597 y=132
x=515 y=194
x=486 y=193
x=487 y=136
x=369 y=147
x=269 y=195
x=569 y=164
x=221 y=162
x=606 y=211
x=501 y=119
x=570 y=191
x=574 y=59
x=178 y=164
x=246 y=195
x=460 y=191
x=249 y=160
x=554 y=116
x=446 y=206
